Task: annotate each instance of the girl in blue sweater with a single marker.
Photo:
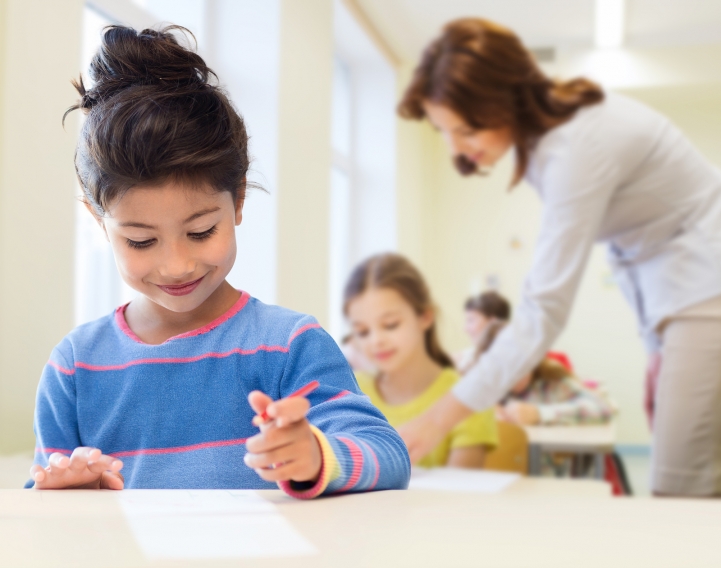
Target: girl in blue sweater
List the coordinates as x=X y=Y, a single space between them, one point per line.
x=169 y=387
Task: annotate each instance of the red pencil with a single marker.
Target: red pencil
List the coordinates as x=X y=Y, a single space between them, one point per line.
x=302 y=391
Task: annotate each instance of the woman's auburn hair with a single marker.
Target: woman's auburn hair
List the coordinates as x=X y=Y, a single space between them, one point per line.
x=482 y=72
x=154 y=116
x=396 y=272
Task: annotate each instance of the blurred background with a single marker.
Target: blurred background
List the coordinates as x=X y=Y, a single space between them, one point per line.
x=317 y=82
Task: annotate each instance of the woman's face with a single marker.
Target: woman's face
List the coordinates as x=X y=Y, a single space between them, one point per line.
x=475 y=324
x=484 y=146
x=173 y=244
x=387 y=329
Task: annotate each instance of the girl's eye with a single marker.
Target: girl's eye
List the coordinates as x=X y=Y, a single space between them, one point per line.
x=362 y=333
x=140 y=244
x=205 y=234
x=392 y=325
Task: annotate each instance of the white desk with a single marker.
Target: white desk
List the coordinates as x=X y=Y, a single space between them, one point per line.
x=595 y=440
x=534 y=523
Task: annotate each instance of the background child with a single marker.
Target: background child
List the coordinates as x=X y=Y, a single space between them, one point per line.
x=549 y=395
x=389 y=307
x=480 y=310
x=171 y=383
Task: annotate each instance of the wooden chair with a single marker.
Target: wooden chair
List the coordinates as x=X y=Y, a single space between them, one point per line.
x=511 y=454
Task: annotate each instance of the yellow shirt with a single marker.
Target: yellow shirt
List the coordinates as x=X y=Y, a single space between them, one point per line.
x=476 y=430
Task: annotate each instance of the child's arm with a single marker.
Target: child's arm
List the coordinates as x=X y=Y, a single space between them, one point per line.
x=471 y=438
x=470 y=457
x=359 y=450
x=61 y=461
x=575 y=405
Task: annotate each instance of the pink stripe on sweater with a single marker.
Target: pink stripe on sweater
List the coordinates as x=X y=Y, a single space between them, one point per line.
x=193 y=359
x=234 y=309
x=375 y=461
x=63 y=370
x=341 y=394
x=356 y=455
x=178 y=449
x=161 y=360
x=53 y=450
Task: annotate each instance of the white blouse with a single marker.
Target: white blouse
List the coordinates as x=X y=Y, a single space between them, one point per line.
x=619 y=173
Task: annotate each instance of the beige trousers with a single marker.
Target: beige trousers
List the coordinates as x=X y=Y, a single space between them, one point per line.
x=686 y=456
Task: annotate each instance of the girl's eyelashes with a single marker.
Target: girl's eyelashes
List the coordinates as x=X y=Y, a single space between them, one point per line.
x=140 y=244
x=392 y=325
x=205 y=234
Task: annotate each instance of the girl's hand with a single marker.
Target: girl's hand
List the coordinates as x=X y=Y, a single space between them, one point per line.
x=286 y=448
x=522 y=413
x=86 y=468
x=424 y=433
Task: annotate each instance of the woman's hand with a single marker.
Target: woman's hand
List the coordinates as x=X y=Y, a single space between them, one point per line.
x=424 y=433
x=652 y=371
x=522 y=413
x=86 y=468
x=286 y=448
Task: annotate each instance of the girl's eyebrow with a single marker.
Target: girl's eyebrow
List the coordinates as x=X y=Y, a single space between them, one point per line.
x=193 y=217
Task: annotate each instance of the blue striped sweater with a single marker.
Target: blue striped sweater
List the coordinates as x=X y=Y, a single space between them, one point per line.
x=177 y=413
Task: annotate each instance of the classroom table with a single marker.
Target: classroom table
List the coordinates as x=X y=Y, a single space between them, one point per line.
x=597 y=440
x=535 y=522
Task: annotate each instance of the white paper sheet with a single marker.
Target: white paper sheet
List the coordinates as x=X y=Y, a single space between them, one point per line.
x=456 y=479
x=209 y=524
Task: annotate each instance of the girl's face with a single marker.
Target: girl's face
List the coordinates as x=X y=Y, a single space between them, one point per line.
x=484 y=146
x=172 y=243
x=387 y=329
x=474 y=325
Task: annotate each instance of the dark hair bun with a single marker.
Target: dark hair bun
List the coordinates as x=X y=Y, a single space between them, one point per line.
x=128 y=58
x=152 y=115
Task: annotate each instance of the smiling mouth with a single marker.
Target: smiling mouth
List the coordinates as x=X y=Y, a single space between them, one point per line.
x=384 y=355
x=180 y=289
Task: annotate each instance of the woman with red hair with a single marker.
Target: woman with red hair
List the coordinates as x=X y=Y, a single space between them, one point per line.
x=607 y=169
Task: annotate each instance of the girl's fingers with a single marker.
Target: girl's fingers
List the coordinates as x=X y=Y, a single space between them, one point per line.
x=58 y=462
x=81 y=456
x=288 y=410
x=272 y=437
x=285 y=454
x=259 y=401
x=282 y=472
x=38 y=473
x=112 y=480
x=105 y=463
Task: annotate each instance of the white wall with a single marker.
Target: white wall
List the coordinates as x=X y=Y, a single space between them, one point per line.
x=39 y=54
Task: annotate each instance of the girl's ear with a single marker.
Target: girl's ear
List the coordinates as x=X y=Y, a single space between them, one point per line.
x=428 y=318
x=98 y=218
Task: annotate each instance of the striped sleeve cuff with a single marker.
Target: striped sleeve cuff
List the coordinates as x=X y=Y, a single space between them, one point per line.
x=329 y=470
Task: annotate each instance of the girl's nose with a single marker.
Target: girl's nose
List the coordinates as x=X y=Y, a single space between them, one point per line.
x=177 y=263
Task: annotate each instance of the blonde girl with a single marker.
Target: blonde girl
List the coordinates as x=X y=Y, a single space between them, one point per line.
x=389 y=307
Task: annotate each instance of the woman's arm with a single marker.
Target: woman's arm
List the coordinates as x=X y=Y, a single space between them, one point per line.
x=472 y=457
x=577 y=180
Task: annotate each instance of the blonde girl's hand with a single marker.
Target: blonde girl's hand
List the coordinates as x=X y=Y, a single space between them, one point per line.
x=86 y=468
x=522 y=413
x=286 y=448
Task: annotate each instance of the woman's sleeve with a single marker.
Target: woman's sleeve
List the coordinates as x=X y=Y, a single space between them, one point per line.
x=360 y=450
x=577 y=180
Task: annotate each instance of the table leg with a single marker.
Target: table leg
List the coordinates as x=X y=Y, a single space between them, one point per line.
x=599 y=465
x=534 y=460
